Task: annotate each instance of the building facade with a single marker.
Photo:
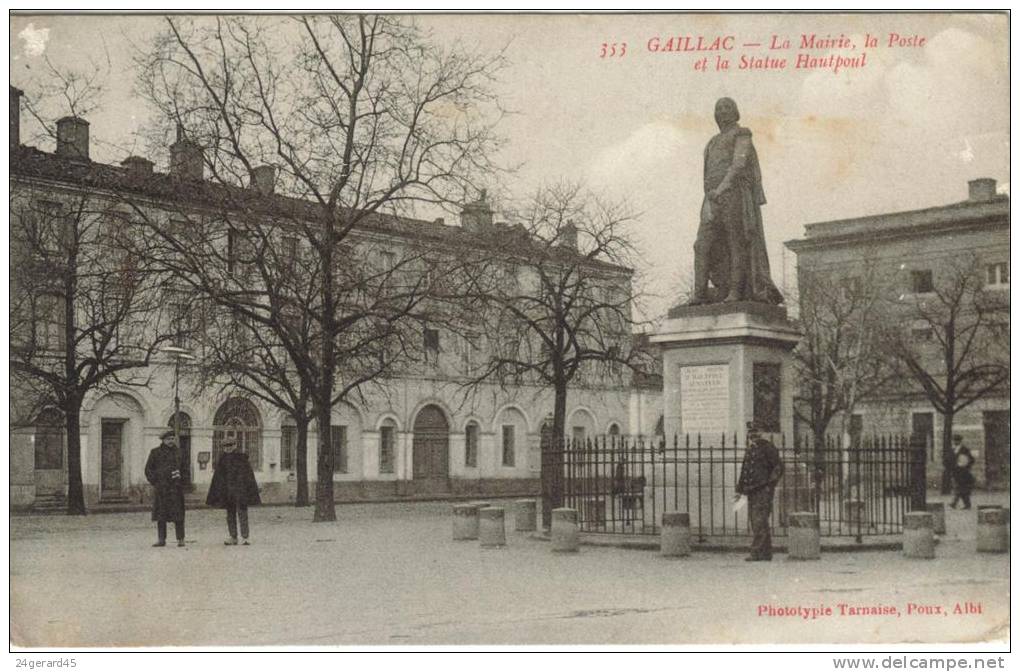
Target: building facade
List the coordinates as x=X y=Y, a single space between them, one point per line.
x=911 y=256
x=413 y=433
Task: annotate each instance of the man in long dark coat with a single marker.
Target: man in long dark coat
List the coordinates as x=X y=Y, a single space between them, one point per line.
x=759 y=474
x=234 y=488
x=163 y=471
x=730 y=248
x=962 y=478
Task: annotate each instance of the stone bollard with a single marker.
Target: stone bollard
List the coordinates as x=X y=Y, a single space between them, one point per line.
x=524 y=515
x=491 y=530
x=938 y=515
x=992 y=530
x=675 y=540
x=804 y=536
x=565 y=537
x=918 y=538
x=465 y=522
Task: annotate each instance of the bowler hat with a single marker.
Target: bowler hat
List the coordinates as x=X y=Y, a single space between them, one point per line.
x=228 y=442
x=753 y=428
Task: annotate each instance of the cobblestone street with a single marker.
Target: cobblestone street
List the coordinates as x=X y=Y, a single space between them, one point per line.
x=389 y=574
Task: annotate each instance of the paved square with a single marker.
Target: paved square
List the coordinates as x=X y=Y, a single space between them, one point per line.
x=390 y=574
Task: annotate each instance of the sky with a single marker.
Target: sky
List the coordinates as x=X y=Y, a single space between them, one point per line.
x=905 y=130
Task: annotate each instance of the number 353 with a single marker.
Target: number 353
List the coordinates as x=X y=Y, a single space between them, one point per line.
x=613 y=50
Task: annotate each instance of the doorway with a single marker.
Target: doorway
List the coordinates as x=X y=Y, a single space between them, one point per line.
x=996 y=449
x=431 y=451
x=112 y=457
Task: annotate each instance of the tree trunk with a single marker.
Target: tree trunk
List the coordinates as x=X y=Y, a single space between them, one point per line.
x=301 y=462
x=75 y=490
x=552 y=461
x=818 y=466
x=948 y=457
x=325 y=509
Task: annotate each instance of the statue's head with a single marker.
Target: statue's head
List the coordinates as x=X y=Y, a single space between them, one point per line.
x=726 y=113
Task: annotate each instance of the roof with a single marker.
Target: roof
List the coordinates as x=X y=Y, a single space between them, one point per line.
x=952 y=217
x=30 y=162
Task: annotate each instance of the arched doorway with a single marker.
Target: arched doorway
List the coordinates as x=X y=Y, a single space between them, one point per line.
x=185 y=445
x=431 y=451
x=238 y=418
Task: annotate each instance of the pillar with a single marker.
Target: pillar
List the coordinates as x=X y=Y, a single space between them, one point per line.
x=565 y=536
x=675 y=539
x=918 y=536
x=804 y=536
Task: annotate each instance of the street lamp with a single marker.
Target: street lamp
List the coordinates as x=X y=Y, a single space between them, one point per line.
x=178 y=354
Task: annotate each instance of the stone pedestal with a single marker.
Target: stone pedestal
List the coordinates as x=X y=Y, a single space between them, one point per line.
x=992 y=530
x=524 y=515
x=465 y=522
x=938 y=515
x=565 y=536
x=491 y=527
x=675 y=539
x=918 y=535
x=804 y=536
x=724 y=365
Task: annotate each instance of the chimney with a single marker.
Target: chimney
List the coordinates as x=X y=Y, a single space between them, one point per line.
x=73 y=138
x=567 y=236
x=15 y=131
x=982 y=189
x=186 y=160
x=263 y=179
x=137 y=166
x=477 y=216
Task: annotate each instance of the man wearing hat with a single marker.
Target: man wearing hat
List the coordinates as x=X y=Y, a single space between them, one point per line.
x=233 y=488
x=163 y=470
x=759 y=474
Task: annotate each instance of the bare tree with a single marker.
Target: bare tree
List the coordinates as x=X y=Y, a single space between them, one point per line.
x=558 y=304
x=87 y=311
x=951 y=341
x=361 y=116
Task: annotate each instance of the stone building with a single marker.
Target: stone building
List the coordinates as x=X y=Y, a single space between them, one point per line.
x=911 y=254
x=413 y=434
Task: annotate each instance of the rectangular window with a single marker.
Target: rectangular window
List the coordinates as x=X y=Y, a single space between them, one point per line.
x=49 y=446
x=288 y=447
x=48 y=322
x=289 y=246
x=921 y=282
x=338 y=437
x=579 y=435
x=431 y=338
x=387 y=449
x=508 y=445
x=471 y=445
x=997 y=275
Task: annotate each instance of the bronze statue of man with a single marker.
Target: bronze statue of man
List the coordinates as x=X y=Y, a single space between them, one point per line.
x=730 y=249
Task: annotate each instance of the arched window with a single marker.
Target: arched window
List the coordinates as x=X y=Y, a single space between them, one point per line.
x=49 y=440
x=471 y=433
x=387 y=446
x=238 y=418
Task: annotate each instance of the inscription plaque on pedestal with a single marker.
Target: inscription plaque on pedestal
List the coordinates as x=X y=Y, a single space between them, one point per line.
x=705 y=399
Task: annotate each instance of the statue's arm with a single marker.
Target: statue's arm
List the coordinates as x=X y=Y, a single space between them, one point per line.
x=742 y=148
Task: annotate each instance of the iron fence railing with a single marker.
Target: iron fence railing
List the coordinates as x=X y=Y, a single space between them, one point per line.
x=623 y=484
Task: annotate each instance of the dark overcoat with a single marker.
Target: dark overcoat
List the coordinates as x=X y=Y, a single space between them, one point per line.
x=168 y=492
x=961 y=471
x=762 y=467
x=233 y=483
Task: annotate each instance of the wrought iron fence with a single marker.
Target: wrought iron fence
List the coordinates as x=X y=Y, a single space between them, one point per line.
x=623 y=484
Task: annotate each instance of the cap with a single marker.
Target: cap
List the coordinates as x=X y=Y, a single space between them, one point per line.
x=228 y=442
x=167 y=433
x=753 y=427
x=957 y=437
